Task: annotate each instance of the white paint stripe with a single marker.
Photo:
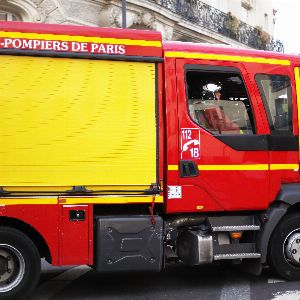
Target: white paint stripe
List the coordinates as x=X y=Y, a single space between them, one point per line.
x=275 y=280
x=288 y=295
x=235 y=288
x=50 y=288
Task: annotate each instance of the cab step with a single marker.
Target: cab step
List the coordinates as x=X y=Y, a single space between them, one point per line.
x=233 y=223
x=236 y=256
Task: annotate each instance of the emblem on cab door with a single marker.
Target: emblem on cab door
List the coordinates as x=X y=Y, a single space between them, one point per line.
x=190 y=143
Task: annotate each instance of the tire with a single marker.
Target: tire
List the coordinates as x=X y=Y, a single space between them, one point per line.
x=20 y=264
x=284 y=251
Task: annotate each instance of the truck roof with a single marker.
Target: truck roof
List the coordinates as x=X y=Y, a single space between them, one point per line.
x=92 y=40
x=187 y=47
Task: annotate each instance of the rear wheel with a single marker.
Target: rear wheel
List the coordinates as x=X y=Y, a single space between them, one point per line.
x=20 y=264
x=284 y=248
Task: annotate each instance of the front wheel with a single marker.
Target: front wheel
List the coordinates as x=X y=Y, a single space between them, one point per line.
x=284 y=248
x=20 y=264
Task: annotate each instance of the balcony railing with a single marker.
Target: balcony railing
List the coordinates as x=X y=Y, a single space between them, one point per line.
x=217 y=21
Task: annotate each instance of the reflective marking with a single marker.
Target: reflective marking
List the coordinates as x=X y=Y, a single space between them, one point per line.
x=73 y=38
x=115 y=199
x=172 y=167
x=259 y=167
x=111 y=200
x=236 y=58
x=18 y=201
x=284 y=167
x=75 y=205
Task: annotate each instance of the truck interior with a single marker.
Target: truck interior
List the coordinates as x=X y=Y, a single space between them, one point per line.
x=230 y=114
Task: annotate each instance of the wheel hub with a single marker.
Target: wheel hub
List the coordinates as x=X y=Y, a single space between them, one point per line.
x=12 y=268
x=292 y=248
x=3 y=265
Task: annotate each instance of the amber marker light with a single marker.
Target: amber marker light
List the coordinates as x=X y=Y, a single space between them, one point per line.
x=235 y=235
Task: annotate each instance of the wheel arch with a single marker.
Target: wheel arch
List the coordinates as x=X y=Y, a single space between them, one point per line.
x=31 y=232
x=286 y=202
x=289 y=194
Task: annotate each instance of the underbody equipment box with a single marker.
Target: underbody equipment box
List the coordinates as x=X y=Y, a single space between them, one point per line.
x=128 y=243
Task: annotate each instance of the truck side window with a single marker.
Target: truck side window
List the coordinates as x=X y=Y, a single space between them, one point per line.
x=218 y=102
x=275 y=91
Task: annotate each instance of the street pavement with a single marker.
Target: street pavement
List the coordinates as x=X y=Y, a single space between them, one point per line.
x=223 y=282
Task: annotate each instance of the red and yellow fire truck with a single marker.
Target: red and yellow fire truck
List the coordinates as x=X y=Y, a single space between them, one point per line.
x=122 y=152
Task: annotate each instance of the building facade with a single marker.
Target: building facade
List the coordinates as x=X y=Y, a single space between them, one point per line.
x=240 y=23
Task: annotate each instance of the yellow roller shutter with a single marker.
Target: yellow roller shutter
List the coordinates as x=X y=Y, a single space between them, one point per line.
x=67 y=122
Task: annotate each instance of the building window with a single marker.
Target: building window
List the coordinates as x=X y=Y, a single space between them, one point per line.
x=7 y=16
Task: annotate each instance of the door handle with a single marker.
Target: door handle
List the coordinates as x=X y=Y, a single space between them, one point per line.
x=188 y=168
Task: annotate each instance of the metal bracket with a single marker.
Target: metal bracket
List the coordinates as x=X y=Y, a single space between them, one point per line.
x=154 y=189
x=3 y=191
x=79 y=189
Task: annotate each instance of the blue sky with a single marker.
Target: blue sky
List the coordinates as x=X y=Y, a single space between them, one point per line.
x=287 y=26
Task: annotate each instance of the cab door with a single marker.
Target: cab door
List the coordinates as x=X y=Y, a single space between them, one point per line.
x=222 y=140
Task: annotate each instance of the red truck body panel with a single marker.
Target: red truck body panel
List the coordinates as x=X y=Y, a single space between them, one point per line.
x=69 y=243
